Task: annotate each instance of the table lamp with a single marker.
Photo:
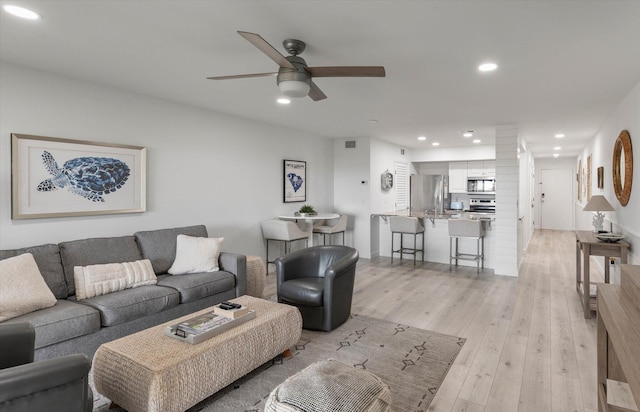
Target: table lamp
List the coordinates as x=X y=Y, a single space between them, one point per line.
x=598 y=203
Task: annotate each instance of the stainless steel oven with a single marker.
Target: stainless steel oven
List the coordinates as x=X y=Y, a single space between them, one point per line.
x=482 y=205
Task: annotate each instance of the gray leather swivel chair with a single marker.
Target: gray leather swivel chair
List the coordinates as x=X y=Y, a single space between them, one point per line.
x=319 y=282
x=60 y=384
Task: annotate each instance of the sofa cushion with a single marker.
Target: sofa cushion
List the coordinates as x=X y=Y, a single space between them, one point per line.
x=23 y=290
x=48 y=259
x=196 y=255
x=195 y=286
x=96 y=251
x=63 y=321
x=130 y=304
x=159 y=246
x=95 y=280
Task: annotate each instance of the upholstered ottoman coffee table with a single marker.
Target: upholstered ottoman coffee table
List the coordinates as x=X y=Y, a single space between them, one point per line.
x=148 y=371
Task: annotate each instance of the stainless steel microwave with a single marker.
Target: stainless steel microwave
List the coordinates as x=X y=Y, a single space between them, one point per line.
x=481 y=185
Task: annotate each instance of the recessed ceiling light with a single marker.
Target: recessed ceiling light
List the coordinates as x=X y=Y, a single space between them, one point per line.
x=283 y=100
x=556 y=154
x=559 y=135
x=557 y=148
x=422 y=138
x=468 y=133
x=487 y=67
x=21 y=12
x=435 y=144
x=477 y=140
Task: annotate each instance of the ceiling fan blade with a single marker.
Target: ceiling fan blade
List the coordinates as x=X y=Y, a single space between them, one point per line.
x=267 y=49
x=347 y=71
x=242 y=76
x=315 y=93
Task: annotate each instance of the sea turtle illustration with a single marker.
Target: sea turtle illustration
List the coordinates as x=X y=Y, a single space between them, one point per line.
x=89 y=177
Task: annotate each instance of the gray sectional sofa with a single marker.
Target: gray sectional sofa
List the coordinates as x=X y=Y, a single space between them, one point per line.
x=73 y=326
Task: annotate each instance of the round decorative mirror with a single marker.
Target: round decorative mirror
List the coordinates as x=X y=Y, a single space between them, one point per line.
x=622 y=167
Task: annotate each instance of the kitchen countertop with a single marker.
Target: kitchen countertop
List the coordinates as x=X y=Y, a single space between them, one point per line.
x=448 y=214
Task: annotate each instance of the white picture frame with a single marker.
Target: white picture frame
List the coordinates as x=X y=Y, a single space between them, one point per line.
x=54 y=177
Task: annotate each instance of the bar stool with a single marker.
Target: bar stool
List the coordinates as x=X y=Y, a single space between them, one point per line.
x=331 y=227
x=466 y=228
x=282 y=231
x=407 y=226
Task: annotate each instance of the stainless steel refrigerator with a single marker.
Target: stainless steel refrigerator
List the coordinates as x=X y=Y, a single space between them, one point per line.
x=429 y=193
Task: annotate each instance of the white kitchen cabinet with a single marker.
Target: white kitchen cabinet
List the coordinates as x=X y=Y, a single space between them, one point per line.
x=489 y=168
x=458 y=177
x=475 y=169
x=481 y=168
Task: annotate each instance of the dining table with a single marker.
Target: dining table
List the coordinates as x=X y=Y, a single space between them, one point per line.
x=308 y=221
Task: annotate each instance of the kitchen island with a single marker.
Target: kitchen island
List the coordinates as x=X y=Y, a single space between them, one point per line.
x=436 y=235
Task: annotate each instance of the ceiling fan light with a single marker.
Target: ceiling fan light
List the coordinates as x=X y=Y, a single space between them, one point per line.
x=294 y=88
x=21 y=12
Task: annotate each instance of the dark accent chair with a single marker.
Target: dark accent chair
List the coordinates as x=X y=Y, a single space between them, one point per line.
x=319 y=282
x=60 y=384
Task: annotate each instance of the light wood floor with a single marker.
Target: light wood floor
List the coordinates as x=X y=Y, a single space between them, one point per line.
x=528 y=346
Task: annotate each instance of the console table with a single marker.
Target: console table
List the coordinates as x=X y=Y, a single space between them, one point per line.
x=590 y=245
x=618 y=343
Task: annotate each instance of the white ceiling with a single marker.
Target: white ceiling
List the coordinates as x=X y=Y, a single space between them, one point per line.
x=563 y=65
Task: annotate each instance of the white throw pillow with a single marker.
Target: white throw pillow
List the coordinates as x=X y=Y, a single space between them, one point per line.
x=22 y=287
x=196 y=254
x=96 y=280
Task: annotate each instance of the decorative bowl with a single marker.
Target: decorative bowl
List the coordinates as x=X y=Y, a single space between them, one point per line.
x=609 y=237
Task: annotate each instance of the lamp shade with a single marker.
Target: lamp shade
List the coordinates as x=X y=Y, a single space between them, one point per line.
x=294 y=88
x=598 y=203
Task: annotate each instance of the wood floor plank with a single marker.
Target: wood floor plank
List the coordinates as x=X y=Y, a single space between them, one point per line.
x=478 y=384
x=505 y=389
x=465 y=406
x=566 y=394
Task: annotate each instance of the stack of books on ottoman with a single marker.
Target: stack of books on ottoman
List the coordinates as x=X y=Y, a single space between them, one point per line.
x=199 y=328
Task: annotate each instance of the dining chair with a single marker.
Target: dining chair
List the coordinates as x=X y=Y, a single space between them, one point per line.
x=331 y=227
x=282 y=231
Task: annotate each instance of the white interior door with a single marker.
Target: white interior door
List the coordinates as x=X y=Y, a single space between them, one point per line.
x=402 y=185
x=556 y=199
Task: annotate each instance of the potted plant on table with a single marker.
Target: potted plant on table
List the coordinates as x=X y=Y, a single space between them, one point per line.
x=306 y=210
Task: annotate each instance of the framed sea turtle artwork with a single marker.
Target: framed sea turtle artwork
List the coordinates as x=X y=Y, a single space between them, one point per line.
x=295 y=181
x=54 y=177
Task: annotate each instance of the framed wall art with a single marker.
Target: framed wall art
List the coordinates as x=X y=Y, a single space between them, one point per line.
x=295 y=181
x=53 y=177
x=601 y=177
x=579 y=178
x=588 y=178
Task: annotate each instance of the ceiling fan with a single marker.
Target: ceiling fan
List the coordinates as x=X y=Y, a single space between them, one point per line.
x=294 y=76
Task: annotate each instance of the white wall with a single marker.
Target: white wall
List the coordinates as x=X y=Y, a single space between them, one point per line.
x=351 y=196
x=525 y=199
x=625 y=219
x=507 y=192
x=202 y=167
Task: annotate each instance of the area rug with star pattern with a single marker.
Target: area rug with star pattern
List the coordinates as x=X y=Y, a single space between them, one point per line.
x=412 y=361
